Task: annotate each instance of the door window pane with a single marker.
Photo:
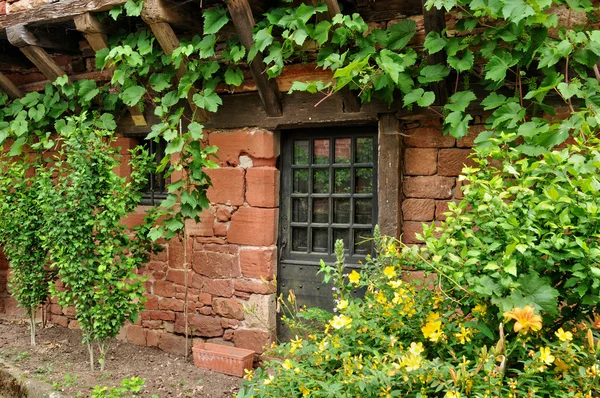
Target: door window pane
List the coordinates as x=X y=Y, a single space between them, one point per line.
x=300 y=210
x=341 y=211
x=363 y=180
x=342 y=180
x=299 y=239
x=321 y=181
x=343 y=234
x=320 y=211
x=362 y=244
x=320 y=240
x=363 y=211
x=301 y=152
x=343 y=150
x=321 y=152
x=364 y=150
x=301 y=181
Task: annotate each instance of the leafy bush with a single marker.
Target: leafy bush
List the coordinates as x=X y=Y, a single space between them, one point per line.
x=406 y=339
x=526 y=232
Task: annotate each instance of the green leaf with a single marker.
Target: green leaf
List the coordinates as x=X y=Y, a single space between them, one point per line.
x=493 y=101
x=433 y=73
x=321 y=32
x=263 y=38
x=134 y=8
x=434 y=42
x=196 y=131
x=133 y=95
x=538 y=292
x=87 y=90
x=462 y=64
x=497 y=67
x=400 y=34
x=459 y=101
x=214 y=20
x=516 y=10
x=115 y=12
x=427 y=99
x=457 y=124
x=208 y=100
x=160 y=81
x=234 y=77
x=106 y=122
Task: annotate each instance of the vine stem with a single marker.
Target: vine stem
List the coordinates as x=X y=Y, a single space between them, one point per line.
x=185 y=276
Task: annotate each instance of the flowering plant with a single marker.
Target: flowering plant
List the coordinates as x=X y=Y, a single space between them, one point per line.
x=406 y=338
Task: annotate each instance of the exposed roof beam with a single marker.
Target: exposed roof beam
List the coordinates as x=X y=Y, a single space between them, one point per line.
x=243 y=20
x=19 y=36
x=176 y=14
x=57 y=12
x=93 y=30
x=434 y=20
x=9 y=87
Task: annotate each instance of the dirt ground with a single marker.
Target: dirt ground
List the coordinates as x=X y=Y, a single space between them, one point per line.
x=62 y=361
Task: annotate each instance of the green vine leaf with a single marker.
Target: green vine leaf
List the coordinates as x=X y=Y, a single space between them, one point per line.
x=208 y=100
x=133 y=95
x=234 y=76
x=214 y=20
x=433 y=73
x=400 y=34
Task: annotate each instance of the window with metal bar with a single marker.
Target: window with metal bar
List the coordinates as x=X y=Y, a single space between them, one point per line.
x=155 y=190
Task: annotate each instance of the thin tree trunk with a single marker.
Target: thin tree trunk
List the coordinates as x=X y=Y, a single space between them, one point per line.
x=91 y=351
x=32 y=324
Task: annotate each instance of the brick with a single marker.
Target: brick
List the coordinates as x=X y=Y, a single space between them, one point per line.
x=170 y=304
x=216 y=264
x=441 y=207
x=428 y=137
x=252 y=339
x=420 y=161
x=212 y=287
x=223 y=213
x=257 y=287
x=452 y=161
x=409 y=231
x=262 y=187
x=158 y=315
x=429 y=187
x=228 y=335
x=199 y=325
x=203 y=227
x=220 y=228
x=206 y=298
x=418 y=209
x=253 y=226
x=69 y=312
x=152 y=324
x=56 y=309
x=173 y=344
x=164 y=289
x=257 y=143
x=74 y=324
x=151 y=302
x=153 y=337
x=59 y=320
x=468 y=140
x=228 y=307
x=136 y=335
x=178 y=276
x=258 y=262
x=133 y=219
x=227 y=186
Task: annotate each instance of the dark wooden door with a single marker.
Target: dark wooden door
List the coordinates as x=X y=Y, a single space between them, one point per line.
x=328 y=192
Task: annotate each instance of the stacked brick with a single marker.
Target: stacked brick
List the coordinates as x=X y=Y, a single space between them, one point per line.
x=231 y=256
x=432 y=163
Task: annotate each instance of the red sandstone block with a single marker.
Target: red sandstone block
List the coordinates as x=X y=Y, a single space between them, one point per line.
x=252 y=339
x=220 y=228
x=223 y=213
x=170 y=304
x=227 y=186
x=164 y=289
x=172 y=343
x=69 y=311
x=468 y=140
x=2 y=7
x=152 y=324
x=212 y=287
x=202 y=228
x=158 y=315
x=136 y=335
x=410 y=229
x=206 y=299
x=73 y=324
x=452 y=161
x=133 y=219
x=441 y=207
x=151 y=302
x=253 y=226
x=199 y=325
x=228 y=307
x=153 y=337
x=430 y=187
x=230 y=323
x=178 y=276
x=256 y=287
x=257 y=143
x=429 y=137
x=60 y=320
x=216 y=264
x=418 y=209
x=262 y=187
x=420 y=161
x=258 y=262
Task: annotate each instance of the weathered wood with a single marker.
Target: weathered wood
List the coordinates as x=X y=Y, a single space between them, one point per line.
x=389 y=175
x=177 y=14
x=435 y=21
x=9 y=87
x=241 y=14
x=333 y=8
x=98 y=76
x=386 y=10
x=57 y=12
x=44 y=62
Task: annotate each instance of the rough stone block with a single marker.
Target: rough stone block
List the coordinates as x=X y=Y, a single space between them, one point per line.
x=258 y=262
x=136 y=335
x=199 y=325
x=252 y=339
x=254 y=226
x=212 y=287
x=258 y=143
x=420 y=161
x=429 y=187
x=262 y=187
x=170 y=304
x=441 y=207
x=254 y=286
x=227 y=186
x=452 y=161
x=468 y=140
x=409 y=231
x=428 y=137
x=216 y=264
x=173 y=344
x=260 y=311
x=228 y=307
x=418 y=209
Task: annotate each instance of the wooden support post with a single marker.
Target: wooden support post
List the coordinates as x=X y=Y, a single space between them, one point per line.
x=389 y=175
x=157 y=17
x=9 y=87
x=243 y=20
x=435 y=21
x=19 y=36
x=94 y=33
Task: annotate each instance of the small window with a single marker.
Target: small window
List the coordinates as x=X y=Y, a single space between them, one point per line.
x=155 y=190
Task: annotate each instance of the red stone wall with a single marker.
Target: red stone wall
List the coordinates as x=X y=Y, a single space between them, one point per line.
x=3 y=283
x=231 y=256
x=432 y=163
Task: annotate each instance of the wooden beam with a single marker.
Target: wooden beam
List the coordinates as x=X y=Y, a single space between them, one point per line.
x=57 y=12
x=9 y=87
x=241 y=14
x=98 y=76
x=389 y=175
x=176 y=14
x=93 y=30
x=434 y=20
x=333 y=8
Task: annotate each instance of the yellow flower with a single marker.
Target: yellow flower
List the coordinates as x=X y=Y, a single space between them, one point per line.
x=480 y=309
x=390 y=272
x=560 y=365
x=412 y=362
x=269 y=380
x=546 y=356
x=354 y=277
x=305 y=391
x=296 y=344
x=433 y=316
x=564 y=336
x=464 y=335
x=287 y=364
x=452 y=394
x=340 y=321
x=380 y=298
x=416 y=348
x=342 y=304
x=432 y=331
x=524 y=319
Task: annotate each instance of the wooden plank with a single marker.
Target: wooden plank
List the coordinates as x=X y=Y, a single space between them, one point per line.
x=176 y=14
x=241 y=14
x=44 y=62
x=389 y=175
x=98 y=76
x=435 y=21
x=333 y=8
x=57 y=12
x=386 y=10
x=9 y=87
